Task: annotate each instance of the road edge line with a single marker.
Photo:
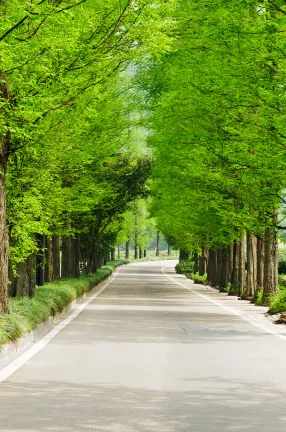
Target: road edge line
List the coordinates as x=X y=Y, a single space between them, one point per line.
x=12 y=367
x=228 y=308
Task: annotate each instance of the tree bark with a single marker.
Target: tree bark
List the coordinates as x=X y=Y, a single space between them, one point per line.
x=203 y=261
x=230 y=262
x=260 y=262
x=169 y=250
x=241 y=268
x=224 y=267
x=40 y=260
x=136 y=245
x=196 y=263
x=236 y=261
x=271 y=262
x=251 y=265
x=56 y=256
x=211 y=271
x=24 y=283
x=67 y=257
x=4 y=240
x=127 y=249
x=49 y=267
x=158 y=244
x=219 y=268
x=140 y=252
x=76 y=256
x=112 y=254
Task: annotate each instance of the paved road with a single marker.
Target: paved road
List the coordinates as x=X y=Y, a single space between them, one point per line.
x=149 y=355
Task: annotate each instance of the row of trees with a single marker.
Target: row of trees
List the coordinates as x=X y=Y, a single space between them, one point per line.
x=68 y=169
x=139 y=231
x=216 y=112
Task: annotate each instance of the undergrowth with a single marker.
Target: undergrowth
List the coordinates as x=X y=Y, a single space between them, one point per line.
x=197 y=278
x=277 y=303
x=185 y=267
x=26 y=313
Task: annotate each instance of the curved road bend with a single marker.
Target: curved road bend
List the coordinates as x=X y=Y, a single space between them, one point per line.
x=148 y=355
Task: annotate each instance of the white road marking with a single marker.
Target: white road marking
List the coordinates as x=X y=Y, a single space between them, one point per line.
x=22 y=359
x=228 y=308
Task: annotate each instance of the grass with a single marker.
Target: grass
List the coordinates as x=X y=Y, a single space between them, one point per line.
x=26 y=313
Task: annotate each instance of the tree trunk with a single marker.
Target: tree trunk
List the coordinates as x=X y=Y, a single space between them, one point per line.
x=56 y=256
x=127 y=249
x=76 y=256
x=145 y=253
x=196 y=263
x=112 y=254
x=136 y=245
x=67 y=257
x=158 y=244
x=211 y=270
x=224 y=267
x=4 y=240
x=271 y=262
x=31 y=274
x=219 y=268
x=230 y=262
x=251 y=265
x=98 y=259
x=24 y=283
x=203 y=261
x=236 y=260
x=40 y=260
x=140 y=252
x=241 y=268
x=169 y=250
x=49 y=267
x=118 y=252
x=260 y=262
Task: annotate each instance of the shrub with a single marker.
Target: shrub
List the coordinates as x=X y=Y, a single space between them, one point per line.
x=277 y=303
x=258 y=297
x=185 y=267
x=197 y=278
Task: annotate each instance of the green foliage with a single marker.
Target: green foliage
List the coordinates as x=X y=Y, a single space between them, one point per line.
x=217 y=123
x=197 y=278
x=277 y=303
x=27 y=313
x=66 y=111
x=258 y=298
x=185 y=267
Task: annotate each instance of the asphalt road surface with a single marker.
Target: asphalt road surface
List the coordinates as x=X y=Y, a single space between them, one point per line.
x=150 y=355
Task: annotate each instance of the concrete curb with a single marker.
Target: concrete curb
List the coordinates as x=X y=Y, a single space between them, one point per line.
x=11 y=351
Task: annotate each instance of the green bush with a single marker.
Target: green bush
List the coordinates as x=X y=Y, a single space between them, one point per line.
x=258 y=298
x=26 y=313
x=197 y=278
x=277 y=303
x=185 y=267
